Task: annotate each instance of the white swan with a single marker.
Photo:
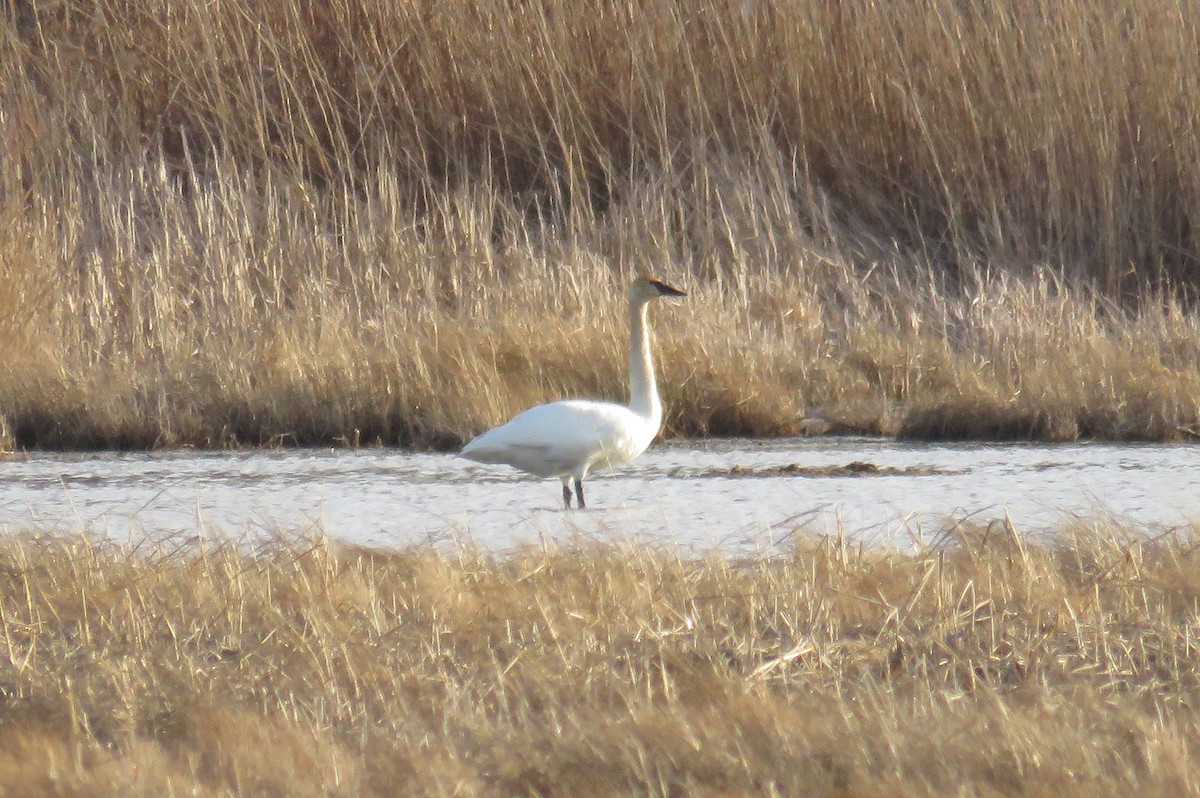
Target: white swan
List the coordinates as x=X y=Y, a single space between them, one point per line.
x=572 y=438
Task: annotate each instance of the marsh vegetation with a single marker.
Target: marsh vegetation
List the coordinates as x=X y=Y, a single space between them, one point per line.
x=232 y=222
x=260 y=222
x=986 y=664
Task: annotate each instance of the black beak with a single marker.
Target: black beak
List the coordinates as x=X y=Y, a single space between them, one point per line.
x=667 y=290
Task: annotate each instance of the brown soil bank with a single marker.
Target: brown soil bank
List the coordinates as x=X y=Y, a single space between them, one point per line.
x=273 y=222
x=989 y=665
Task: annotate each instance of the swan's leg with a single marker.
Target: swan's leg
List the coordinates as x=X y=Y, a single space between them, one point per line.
x=578 y=492
x=567 y=495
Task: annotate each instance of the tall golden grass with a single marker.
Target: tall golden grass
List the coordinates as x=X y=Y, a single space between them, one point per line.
x=251 y=221
x=987 y=665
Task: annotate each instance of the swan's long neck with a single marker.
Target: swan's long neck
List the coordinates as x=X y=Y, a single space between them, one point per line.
x=643 y=392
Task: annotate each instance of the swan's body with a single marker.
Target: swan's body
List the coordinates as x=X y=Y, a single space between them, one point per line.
x=572 y=438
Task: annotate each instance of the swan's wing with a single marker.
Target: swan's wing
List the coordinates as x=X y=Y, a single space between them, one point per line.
x=560 y=438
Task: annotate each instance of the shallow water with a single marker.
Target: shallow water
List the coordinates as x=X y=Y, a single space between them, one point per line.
x=680 y=493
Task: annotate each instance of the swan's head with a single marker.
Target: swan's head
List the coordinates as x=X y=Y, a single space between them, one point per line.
x=645 y=289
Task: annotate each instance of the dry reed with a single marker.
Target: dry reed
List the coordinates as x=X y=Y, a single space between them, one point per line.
x=987 y=665
x=250 y=221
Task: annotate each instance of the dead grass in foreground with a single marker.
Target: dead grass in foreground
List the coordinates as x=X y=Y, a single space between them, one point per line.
x=988 y=666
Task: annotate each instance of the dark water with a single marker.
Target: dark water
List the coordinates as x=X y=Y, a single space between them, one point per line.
x=681 y=493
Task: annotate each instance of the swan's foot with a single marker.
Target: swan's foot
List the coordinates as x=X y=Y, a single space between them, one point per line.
x=578 y=493
x=567 y=495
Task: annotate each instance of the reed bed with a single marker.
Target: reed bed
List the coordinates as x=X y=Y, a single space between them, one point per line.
x=988 y=664
x=260 y=222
